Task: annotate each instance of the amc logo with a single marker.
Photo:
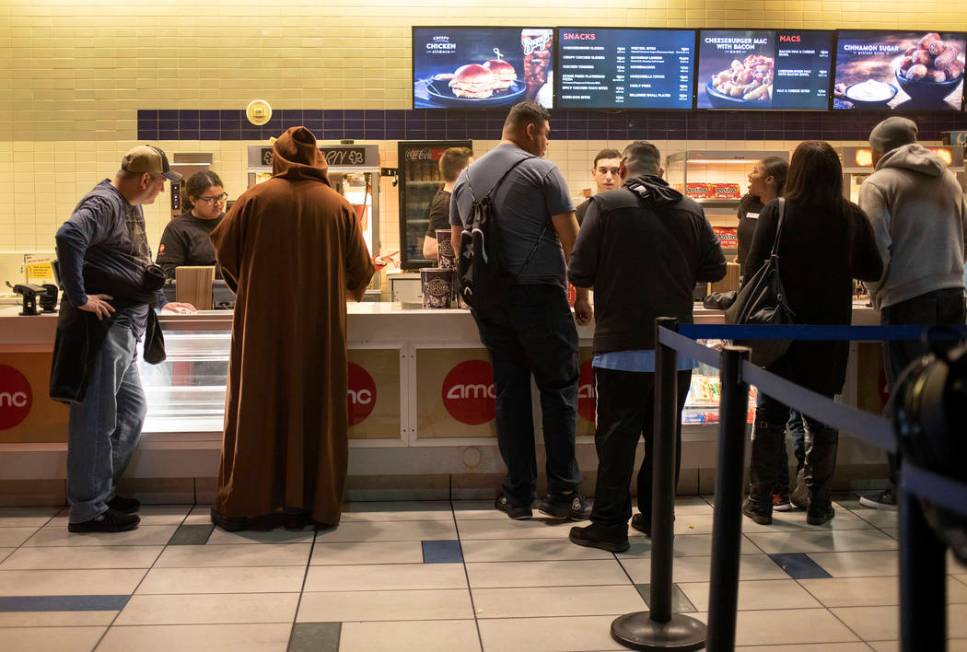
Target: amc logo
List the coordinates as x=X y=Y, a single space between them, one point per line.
x=16 y=397
x=468 y=393
x=360 y=394
x=587 y=397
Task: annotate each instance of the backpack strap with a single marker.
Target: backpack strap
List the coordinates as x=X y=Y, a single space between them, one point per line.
x=782 y=212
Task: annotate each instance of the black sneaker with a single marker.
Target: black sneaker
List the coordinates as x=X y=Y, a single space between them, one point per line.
x=571 y=507
x=110 y=521
x=642 y=523
x=124 y=505
x=516 y=512
x=883 y=500
x=612 y=539
x=762 y=516
x=819 y=515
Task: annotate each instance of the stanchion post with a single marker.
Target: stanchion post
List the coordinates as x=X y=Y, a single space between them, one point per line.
x=727 y=521
x=923 y=579
x=660 y=629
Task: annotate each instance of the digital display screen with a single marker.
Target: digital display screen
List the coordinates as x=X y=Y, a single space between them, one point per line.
x=610 y=68
x=899 y=71
x=764 y=69
x=482 y=67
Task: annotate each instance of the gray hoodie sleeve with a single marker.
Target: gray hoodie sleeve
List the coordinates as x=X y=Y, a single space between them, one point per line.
x=878 y=212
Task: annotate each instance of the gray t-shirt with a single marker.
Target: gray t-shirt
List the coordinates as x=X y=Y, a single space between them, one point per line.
x=525 y=202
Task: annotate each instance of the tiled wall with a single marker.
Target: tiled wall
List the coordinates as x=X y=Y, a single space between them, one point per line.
x=73 y=76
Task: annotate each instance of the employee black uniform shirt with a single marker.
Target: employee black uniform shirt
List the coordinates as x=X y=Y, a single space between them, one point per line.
x=439 y=213
x=187 y=241
x=749 y=209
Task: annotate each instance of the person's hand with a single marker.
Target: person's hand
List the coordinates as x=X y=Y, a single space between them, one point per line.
x=179 y=308
x=98 y=304
x=583 y=311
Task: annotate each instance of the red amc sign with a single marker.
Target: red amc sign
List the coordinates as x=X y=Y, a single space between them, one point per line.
x=360 y=394
x=587 y=397
x=468 y=392
x=16 y=397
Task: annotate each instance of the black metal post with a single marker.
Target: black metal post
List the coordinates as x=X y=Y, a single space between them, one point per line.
x=659 y=628
x=727 y=523
x=923 y=580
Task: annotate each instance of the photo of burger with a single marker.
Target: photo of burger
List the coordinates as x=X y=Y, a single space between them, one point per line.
x=473 y=81
x=504 y=74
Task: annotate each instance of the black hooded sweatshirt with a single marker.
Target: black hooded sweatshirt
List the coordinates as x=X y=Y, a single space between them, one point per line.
x=642 y=247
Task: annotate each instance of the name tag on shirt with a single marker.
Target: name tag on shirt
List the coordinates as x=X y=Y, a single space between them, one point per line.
x=751 y=216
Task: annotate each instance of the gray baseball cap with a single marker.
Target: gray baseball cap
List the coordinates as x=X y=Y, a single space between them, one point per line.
x=151 y=159
x=892 y=133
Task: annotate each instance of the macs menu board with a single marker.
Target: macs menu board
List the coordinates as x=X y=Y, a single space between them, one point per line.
x=899 y=71
x=613 y=68
x=482 y=67
x=764 y=69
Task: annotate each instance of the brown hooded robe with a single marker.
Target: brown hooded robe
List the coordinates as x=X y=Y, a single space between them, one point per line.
x=291 y=248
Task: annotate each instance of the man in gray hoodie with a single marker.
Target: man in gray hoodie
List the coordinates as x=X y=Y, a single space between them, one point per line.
x=917 y=210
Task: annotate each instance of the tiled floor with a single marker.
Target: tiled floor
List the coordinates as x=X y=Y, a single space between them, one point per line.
x=434 y=576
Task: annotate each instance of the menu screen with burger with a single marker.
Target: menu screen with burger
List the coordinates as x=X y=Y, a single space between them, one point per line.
x=482 y=67
x=899 y=71
x=764 y=69
x=625 y=68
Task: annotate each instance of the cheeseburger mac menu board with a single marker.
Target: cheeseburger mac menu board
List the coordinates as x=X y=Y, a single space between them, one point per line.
x=899 y=71
x=482 y=67
x=764 y=69
x=625 y=68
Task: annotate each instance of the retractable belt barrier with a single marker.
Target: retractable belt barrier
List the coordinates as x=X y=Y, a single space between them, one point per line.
x=922 y=554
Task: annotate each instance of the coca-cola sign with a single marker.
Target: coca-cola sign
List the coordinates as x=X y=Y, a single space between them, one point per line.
x=468 y=392
x=16 y=397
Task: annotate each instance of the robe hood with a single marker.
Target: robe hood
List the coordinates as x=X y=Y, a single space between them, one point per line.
x=295 y=155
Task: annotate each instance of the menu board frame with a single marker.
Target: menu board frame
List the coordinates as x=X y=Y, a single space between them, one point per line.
x=892 y=111
x=470 y=107
x=559 y=77
x=829 y=87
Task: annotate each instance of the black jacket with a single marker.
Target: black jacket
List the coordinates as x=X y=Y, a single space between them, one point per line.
x=820 y=253
x=642 y=248
x=187 y=240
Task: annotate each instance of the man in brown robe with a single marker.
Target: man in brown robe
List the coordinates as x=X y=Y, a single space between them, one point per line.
x=291 y=248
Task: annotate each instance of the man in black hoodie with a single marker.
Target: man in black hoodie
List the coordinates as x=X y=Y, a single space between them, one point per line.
x=657 y=244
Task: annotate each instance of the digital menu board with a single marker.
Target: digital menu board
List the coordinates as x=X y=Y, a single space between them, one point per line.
x=612 y=68
x=764 y=69
x=899 y=71
x=482 y=67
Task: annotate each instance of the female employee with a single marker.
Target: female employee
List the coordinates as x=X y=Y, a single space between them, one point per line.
x=187 y=239
x=766 y=182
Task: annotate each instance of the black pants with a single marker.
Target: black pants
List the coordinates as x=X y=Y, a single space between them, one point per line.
x=626 y=412
x=534 y=332
x=940 y=307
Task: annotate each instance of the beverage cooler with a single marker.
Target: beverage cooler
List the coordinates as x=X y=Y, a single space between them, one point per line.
x=419 y=181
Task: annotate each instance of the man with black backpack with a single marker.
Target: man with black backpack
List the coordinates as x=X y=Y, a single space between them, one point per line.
x=642 y=248
x=513 y=225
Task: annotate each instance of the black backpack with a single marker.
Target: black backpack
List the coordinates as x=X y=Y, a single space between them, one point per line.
x=481 y=279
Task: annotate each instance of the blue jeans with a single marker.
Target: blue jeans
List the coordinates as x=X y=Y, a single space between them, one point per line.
x=533 y=332
x=796 y=427
x=106 y=426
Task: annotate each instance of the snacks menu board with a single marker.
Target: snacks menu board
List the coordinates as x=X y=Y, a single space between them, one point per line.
x=482 y=67
x=899 y=71
x=612 y=68
x=764 y=69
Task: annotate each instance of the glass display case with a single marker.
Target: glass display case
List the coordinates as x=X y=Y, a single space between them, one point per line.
x=858 y=165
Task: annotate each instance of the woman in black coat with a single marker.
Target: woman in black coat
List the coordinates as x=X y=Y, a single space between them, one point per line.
x=826 y=242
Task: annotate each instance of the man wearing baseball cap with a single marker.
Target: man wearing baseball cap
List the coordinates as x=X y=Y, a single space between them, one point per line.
x=110 y=290
x=917 y=210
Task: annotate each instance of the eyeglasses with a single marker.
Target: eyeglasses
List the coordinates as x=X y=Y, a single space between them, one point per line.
x=215 y=199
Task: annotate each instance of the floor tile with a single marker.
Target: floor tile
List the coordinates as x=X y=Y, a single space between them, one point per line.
x=883 y=519
x=506 y=528
x=191 y=535
x=789 y=626
x=70 y=582
x=199 y=515
x=147 y=535
x=386 y=577
x=223 y=608
x=474 y=510
x=264 y=579
x=57 y=618
x=270 y=554
x=953 y=645
x=398 y=511
x=528 y=550
x=697 y=569
x=428 y=636
x=50 y=639
x=442 y=552
x=315 y=637
x=827 y=541
x=211 y=638
x=389 y=531
x=796 y=520
x=680 y=602
x=757 y=595
x=26 y=516
x=883 y=623
x=5 y=552
x=11 y=537
x=819 y=647
x=279 y=535
x=86 y=557
x=858 y=564
x=799 y=566
x=686 y=545
x=349 y=553
x=855 y=591
x=347 y=606
x=557 y=601
x=576 y=634
x=29 y=603
x=546 y=573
